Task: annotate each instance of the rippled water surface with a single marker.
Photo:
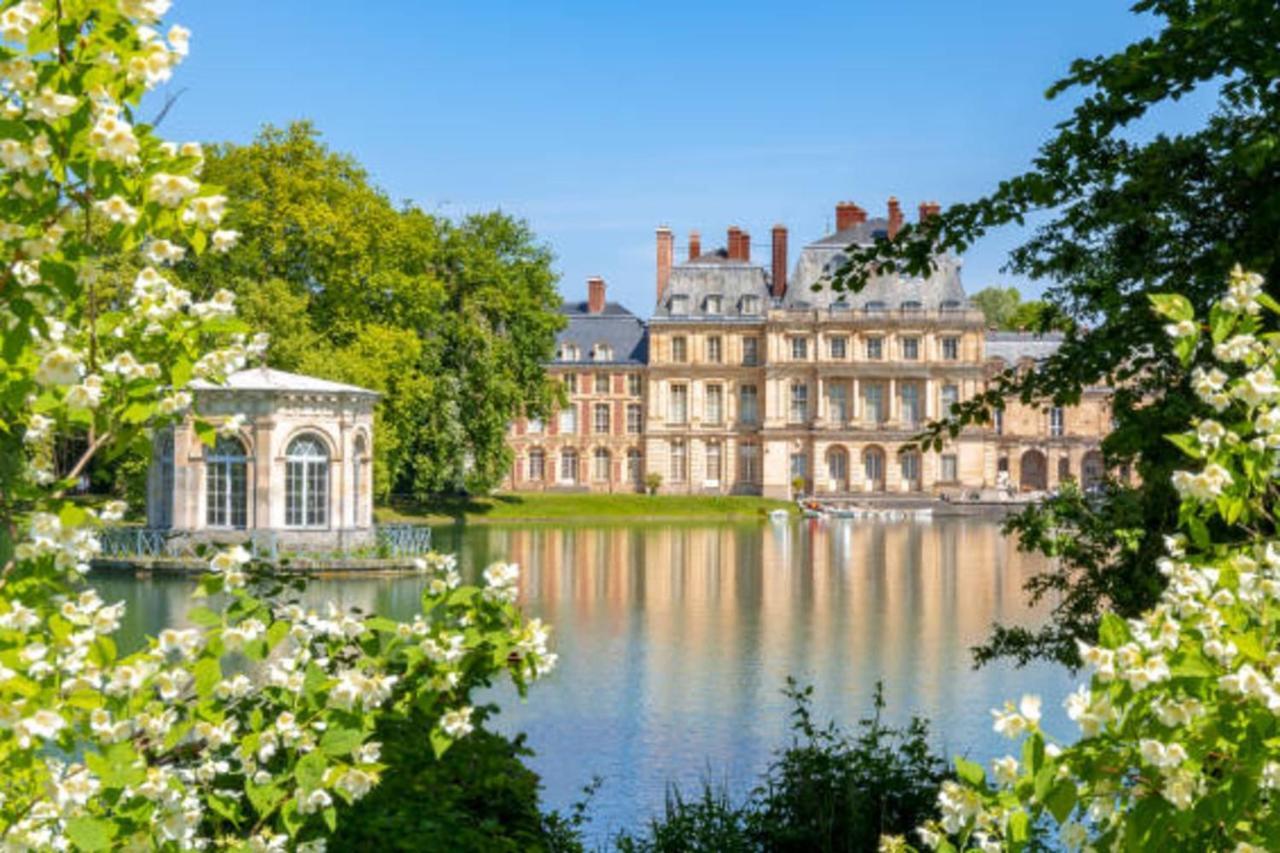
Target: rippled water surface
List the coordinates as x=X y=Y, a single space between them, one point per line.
x=675 y=640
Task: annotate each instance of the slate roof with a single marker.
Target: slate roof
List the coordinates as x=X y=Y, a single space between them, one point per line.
x=1015 y=346
x=269 y=379
x=821 y=258
x=615 y=327
x=715 y=274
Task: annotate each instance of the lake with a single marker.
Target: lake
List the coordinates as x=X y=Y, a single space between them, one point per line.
x=675 y=640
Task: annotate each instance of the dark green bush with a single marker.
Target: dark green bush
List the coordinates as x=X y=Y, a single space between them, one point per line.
x=478 y=796
x=828 y=791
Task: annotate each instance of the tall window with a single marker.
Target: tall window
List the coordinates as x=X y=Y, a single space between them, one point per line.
x=537 y=464
x=568 y=465
x=951 y=349
x=799 y=465
x=997 y=421
x=635 y=418
x=678 y=412
x=750 y=351
x=600 y=464
x=226 y=492
x=838 y=402
x=569 y=420
x=534 y=426
x=714 y=353
x=357 y=479
x=306 y=483
x=748 y=462
x=910 y=395
x=875 y=349
x=950 y=396
x=949 y=473
x=679 y=349
x=602 y=383
x=799 y=349
x=838 y=348
x=680 y=304
x=164 y=511
x=799 y=403
x=714 y=303
x=571 y=383
x=873 y=395
x=633 y=384
x=634 y=466
x=910 y=349
x=1056 y=423
x=910 y=462
x=679 y=462
x=713 y=461
x=568 y=352
x=751 y=305
x=748 y=404
x=600 y=418
x=715 y=404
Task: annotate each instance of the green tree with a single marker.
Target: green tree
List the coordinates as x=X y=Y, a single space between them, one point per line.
x=997 y=304
x=1130 y=216
x=1004 y=309
x=450 y=321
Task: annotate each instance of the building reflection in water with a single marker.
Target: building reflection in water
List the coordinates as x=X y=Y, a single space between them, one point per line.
x=675 y=641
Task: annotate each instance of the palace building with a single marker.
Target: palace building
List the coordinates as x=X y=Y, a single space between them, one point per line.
x=748 y=380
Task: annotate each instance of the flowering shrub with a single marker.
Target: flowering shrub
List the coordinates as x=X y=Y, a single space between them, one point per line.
x=1178 y=726
x=245 y=729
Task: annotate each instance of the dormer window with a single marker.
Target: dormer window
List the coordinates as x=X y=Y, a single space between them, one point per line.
x=714 y=304
x=911 y=306
x=751 y=305
x=602 y=352
x=679 y=305
x=875 y=306
x=951 y=305
x=568 y=352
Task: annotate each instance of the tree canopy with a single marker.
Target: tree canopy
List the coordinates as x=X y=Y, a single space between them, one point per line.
x=1128 y=216
x=450 y=320
x=1004 y=309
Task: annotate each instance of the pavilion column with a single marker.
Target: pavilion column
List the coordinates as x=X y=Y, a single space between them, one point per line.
x=263 y=454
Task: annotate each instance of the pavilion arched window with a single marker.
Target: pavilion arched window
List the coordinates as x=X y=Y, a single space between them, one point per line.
x=226 y=484
x=357 y=478
x=306 y=483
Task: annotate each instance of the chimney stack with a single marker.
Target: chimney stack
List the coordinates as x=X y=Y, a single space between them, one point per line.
x=666 y=251
x=849 y=215
x=779 y=261
x=895 y=217
x=595 y=295
x=732 y=241
x=929 y=208
x=744 y=246
x=695 y=245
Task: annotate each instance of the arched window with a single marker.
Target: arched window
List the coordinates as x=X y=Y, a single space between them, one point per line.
x=634 y=467
x=568 y=465
x=306 y=483
x=357 y=478
x=600 y=459
x=226 y=487
x=537 y=464
x=164 y=503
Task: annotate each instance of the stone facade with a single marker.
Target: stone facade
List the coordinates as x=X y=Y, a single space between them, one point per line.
x=753 y=381
x=300 y=467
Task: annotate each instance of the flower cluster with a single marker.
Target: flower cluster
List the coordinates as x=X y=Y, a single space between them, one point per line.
x=1178 y=724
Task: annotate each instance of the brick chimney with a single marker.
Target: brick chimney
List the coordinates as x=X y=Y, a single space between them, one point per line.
x=595 y=295
x=744 y=247
x=695 y=245
x=895 y=217
x=929 y=208
x=735 y=233
x=849 y=215
x=779 y=261
x=666 y=252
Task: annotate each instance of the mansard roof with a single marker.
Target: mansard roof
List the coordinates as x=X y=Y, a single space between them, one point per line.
x=1012 y=347
x=622 y=332
x=820 y=259
x=716 y=274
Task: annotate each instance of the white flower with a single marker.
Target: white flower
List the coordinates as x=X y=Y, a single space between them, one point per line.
x=18 y=21
x=1181 y=329
x=113 y=139
x=1073 y=835
x=1210 y=433
x=1237 y=348
x=164 y=252
x=224 y=240
x=43 y=724
x=355 y=783
x=49 y=106
x=113 y=510
x=60 y=366
x=1206 y=485
x=171 y=190
x=86 y=395
x=1243 y=290
x=314 y=801
x=206 y=211
x=457 y=723
x=1005 y=770
x=145 y=11
x=179 y=39
x=1257 y=387
x=117 y=210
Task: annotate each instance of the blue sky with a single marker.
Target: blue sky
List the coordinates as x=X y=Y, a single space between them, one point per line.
x=598 y=122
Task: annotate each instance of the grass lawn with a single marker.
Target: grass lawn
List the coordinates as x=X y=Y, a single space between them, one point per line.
x=538 y=506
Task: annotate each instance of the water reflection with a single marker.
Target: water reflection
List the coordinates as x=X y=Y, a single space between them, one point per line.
x=675 y=641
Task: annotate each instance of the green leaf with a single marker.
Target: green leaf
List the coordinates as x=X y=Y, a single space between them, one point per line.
x=207 y=433
x=1061 y=800
x=310 y=770
x=339 y=741
x=1033 y=753
x=1019 y=827
x=970 y=771
x=91 y=833
x=208 y=673
x=1174 y=306
x=204 y=616
x=440 y=742
x=264 y=798
x=1113 y=632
